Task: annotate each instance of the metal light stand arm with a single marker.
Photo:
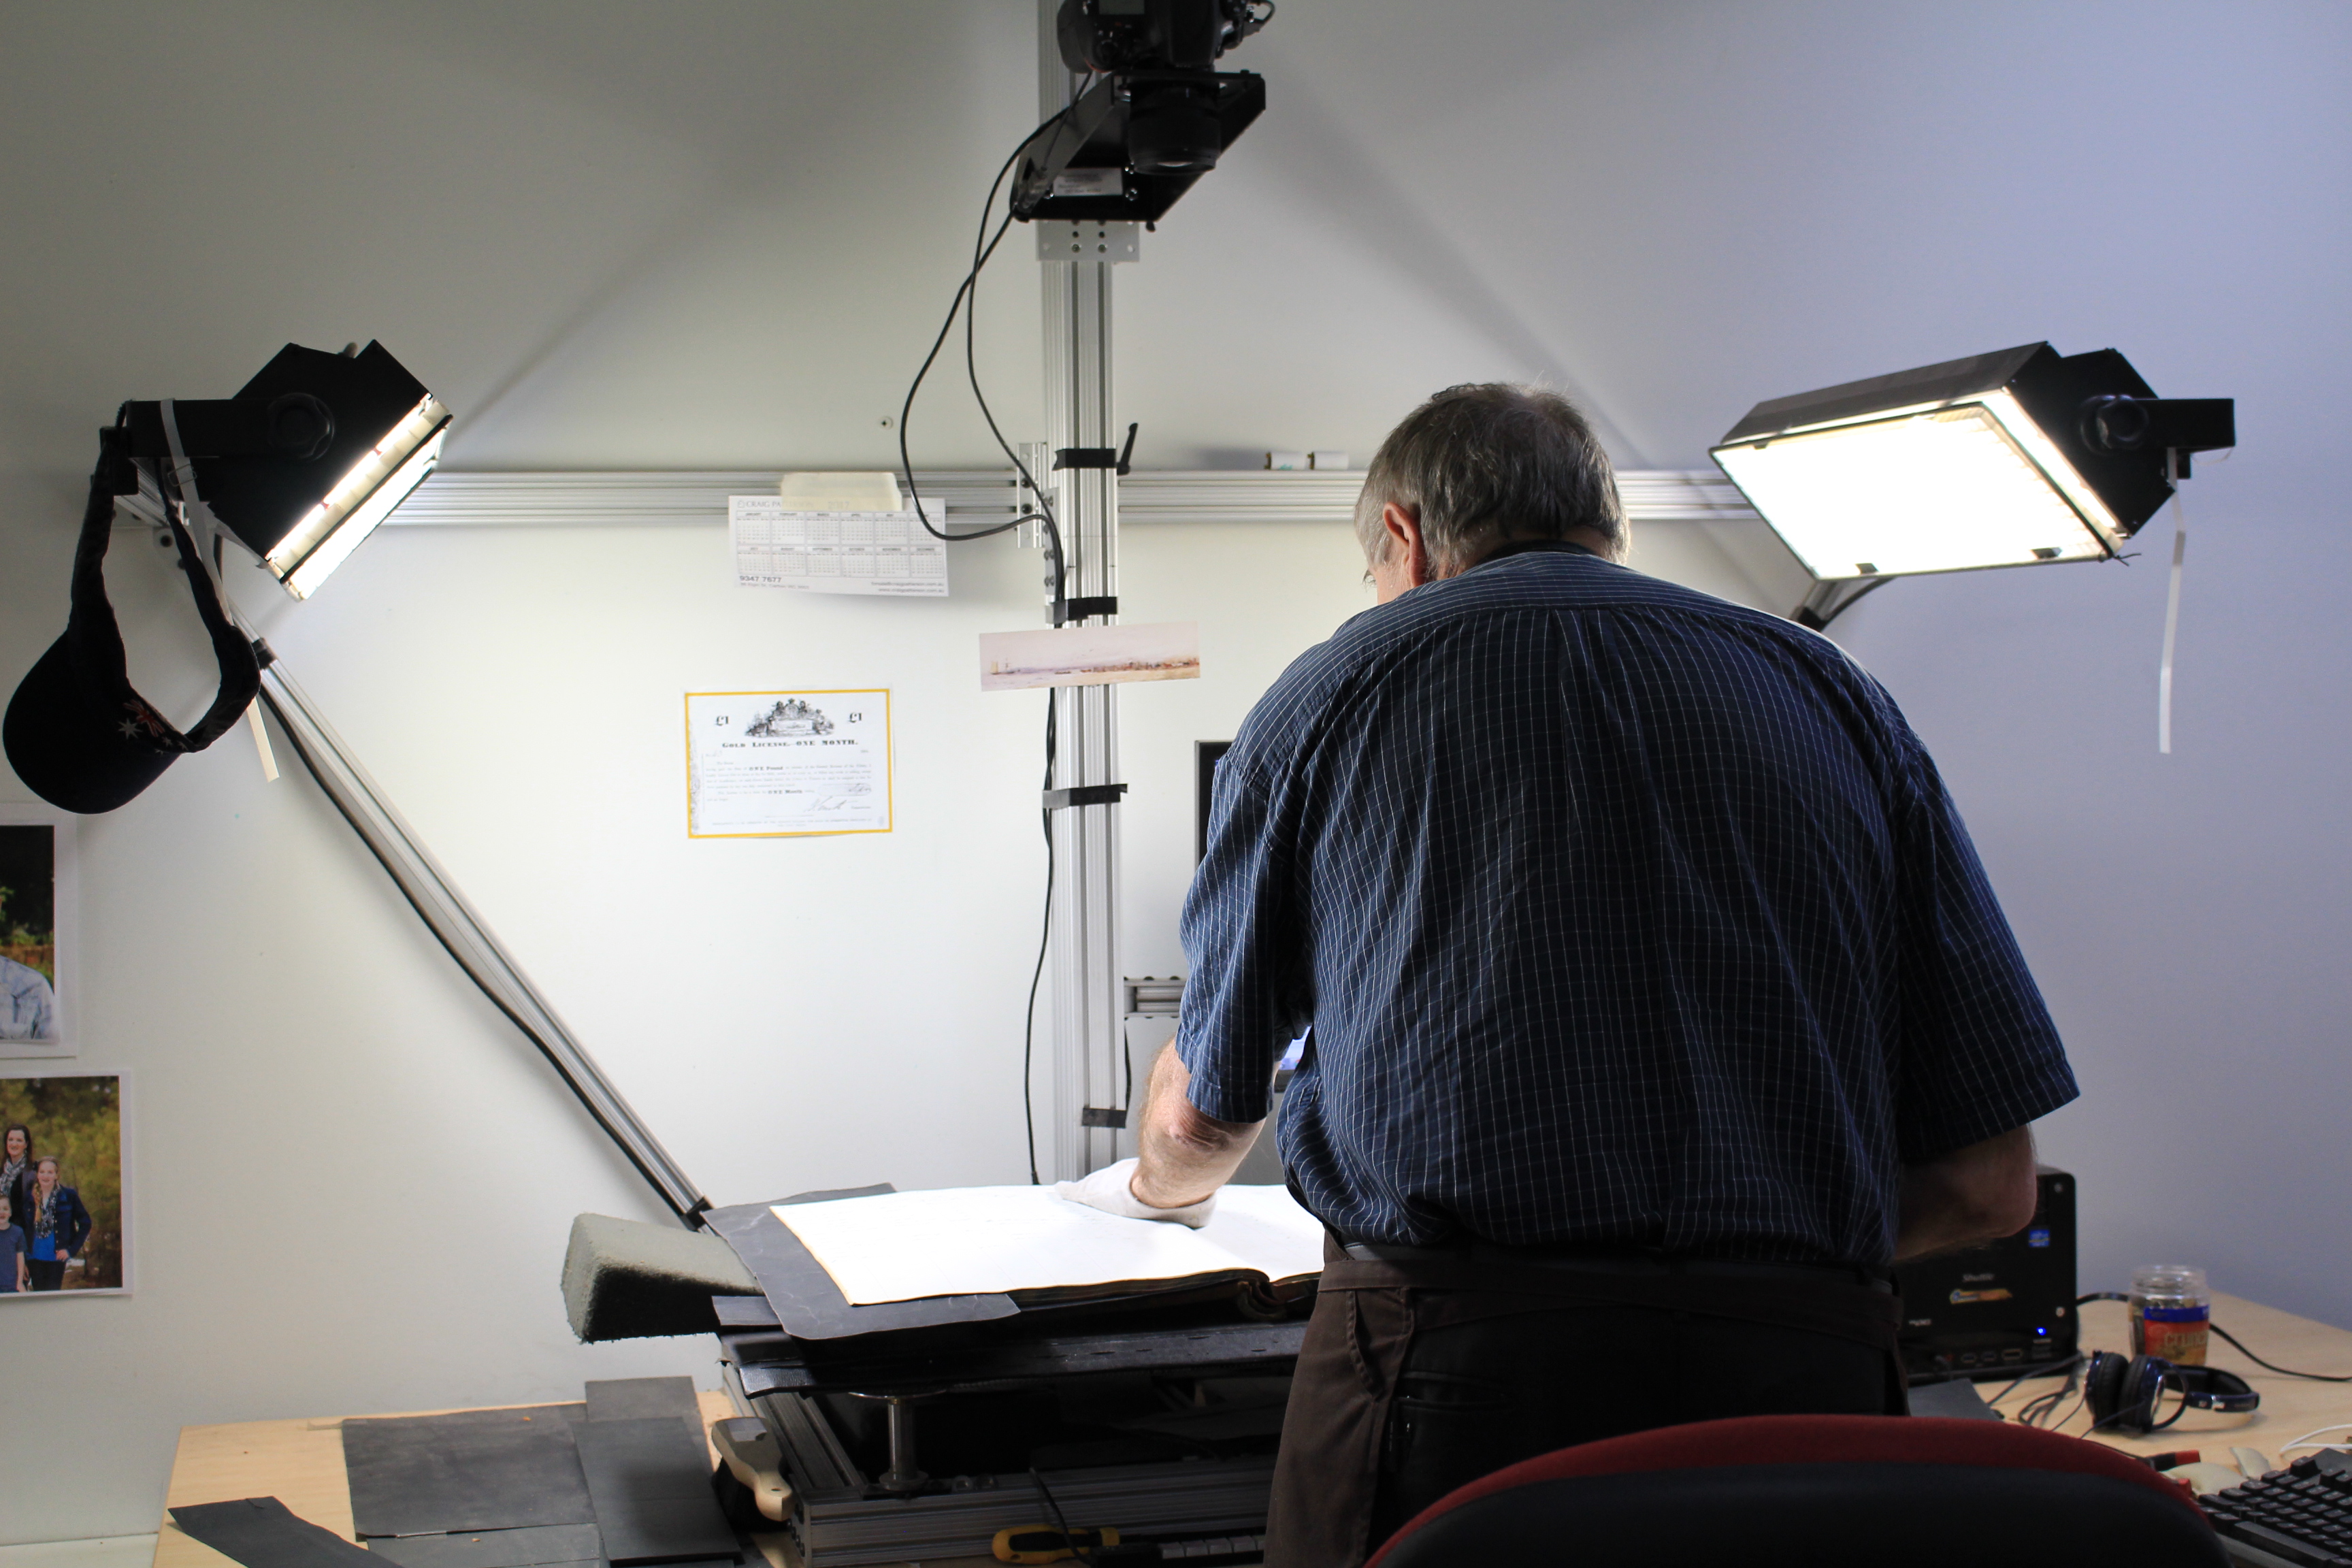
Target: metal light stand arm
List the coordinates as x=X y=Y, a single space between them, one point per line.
x=412 y=867
x=469 y=940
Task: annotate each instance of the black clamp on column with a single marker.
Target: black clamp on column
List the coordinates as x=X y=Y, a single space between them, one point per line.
x=1084 y=794
x=1096 y=457
x=1067 y=610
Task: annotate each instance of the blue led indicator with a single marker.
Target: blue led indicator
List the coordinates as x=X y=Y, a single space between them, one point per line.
x=2037 y=1239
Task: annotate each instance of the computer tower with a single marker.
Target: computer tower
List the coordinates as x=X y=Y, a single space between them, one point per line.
x=2000 y=1308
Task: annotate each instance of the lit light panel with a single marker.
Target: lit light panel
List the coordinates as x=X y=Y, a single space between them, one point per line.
x=2021 y=457
x=1944 y=489
x=362 y=498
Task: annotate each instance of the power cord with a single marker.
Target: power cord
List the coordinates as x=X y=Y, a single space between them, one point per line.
x=966 y=302
x=2233 y=1340
x=2050 y=1369
x=2039 y=1410
x=1036 y=975
x=2283 y=1372
x=967 y=296
x=1060 y=1524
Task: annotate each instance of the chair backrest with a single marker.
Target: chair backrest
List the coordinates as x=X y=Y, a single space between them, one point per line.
x=1870 y=1492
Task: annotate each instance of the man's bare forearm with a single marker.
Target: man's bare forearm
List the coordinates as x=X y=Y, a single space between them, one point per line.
x=1972 y=1194
x=1182 y=1155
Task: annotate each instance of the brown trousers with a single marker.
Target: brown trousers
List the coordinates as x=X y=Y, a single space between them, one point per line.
x=1501 y=1362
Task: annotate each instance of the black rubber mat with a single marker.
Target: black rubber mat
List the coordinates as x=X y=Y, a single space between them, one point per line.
x=650 y=1479
x=260 y=1533
x=474 y=1471
x=541 y=1546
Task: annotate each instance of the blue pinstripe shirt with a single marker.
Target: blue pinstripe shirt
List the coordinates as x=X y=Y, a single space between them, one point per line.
x=1623 y=915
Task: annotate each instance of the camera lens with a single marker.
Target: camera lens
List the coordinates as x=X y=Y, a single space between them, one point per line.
x=1173 y=132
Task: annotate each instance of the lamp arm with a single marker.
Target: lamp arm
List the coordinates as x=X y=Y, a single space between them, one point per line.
x=469 y=940
x=1828 y=601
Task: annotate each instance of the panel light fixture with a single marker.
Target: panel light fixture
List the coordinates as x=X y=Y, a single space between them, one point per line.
x=305 y=462
x=2014 y=459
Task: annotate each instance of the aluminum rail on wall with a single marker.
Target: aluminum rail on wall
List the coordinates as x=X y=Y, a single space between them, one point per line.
x=976 y=497
x=469 y=940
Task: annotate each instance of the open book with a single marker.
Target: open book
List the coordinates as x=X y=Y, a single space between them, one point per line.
x=1039 y=1248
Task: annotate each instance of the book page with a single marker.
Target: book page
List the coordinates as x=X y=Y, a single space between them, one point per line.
x=972 y=1241
x=1266 y=1228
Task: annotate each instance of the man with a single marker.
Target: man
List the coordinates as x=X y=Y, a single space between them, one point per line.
x=1658 y=998
x=28 y=1007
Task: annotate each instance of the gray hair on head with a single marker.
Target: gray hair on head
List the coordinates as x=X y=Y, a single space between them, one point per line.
x=1488 y=464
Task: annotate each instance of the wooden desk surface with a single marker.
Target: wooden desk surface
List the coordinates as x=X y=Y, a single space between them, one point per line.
x=299 y=1462
x=2291 y=1406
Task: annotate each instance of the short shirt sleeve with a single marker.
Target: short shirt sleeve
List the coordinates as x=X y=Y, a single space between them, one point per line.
x=1245 y=992
x=1978 y=1053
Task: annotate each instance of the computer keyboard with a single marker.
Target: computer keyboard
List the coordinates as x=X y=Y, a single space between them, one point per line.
x=2300 y=1517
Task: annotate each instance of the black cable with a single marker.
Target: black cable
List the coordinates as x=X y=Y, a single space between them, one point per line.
x=2233 y=1340
x=967 y=298
x=2041 y=1406
x=970 y=279
x=1850 y=600
x=1044 y=939
x=966 y=292
x=1082 y=1553
x=2050 y=1370
x=2283 y=1372
x=971 y=374
x=2135 y=1412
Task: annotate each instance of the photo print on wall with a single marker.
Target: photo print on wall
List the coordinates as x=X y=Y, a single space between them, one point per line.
x=64 y=1201
x=37 y=960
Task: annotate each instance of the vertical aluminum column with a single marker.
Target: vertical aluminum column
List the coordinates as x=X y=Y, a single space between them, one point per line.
x=1087 y=1071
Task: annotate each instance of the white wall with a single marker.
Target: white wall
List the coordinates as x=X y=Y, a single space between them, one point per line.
x=707 y=234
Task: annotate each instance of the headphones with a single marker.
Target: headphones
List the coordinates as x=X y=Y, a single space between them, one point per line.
x=2123 y=1391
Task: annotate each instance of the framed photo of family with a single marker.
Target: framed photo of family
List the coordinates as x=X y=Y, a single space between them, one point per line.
x=65 y=1205
x=40 y=959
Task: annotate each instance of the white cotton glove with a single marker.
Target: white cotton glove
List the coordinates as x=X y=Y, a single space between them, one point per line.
x=1108 y=1190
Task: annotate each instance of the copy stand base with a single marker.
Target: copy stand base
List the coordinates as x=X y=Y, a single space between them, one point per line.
x=843 y=1515
x=1160 y=1423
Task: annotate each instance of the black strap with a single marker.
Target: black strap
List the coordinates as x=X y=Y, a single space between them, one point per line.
x=95 y=638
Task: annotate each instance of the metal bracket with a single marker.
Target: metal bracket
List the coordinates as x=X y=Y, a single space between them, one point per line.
x=1084 y=794
x=1090 y=239
x=1112 y=1117
x=1152 y=997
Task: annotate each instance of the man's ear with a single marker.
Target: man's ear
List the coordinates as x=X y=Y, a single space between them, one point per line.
x=1406 y=546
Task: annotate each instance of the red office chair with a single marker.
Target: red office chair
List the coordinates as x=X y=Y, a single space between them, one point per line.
x=1830 y=1491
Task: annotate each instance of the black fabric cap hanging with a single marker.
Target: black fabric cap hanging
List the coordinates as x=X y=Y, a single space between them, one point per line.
x=76 y=731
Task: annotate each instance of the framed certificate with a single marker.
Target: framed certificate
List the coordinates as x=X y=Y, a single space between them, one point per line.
x=767 y=764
